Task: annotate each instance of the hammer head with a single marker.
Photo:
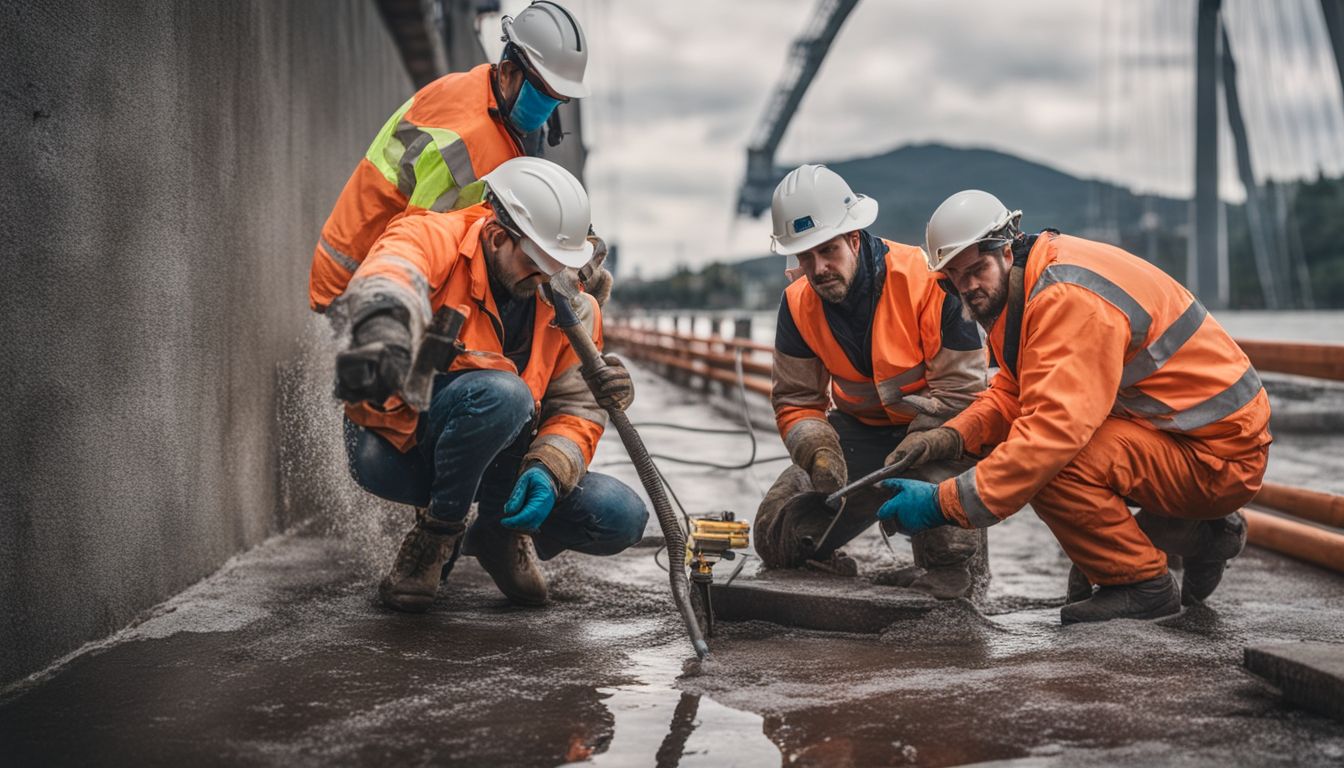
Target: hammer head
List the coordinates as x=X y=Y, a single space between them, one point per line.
x=438 y=348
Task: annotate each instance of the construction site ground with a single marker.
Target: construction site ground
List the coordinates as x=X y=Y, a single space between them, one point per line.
x=284 y=657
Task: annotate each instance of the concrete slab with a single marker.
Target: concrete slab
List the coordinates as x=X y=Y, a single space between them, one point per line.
x=1310 y=675
x=811 y=600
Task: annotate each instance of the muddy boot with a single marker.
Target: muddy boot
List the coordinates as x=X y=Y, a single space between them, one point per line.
x=1221 y=540
x=1149 y=599
x=944 y=583
x=898 y=577
x=1079 y=588
x=414 y=579
x=509 y=558
x=954 y=562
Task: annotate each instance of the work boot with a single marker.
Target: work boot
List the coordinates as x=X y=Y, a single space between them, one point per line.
x=510 y=559
x=1079 y=588
x=414 y=579
x=1220 y=541
x=1149 y=599
x=945 y=583
x=954 y=560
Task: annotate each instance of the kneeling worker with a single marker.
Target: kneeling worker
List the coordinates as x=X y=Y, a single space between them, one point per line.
x=872 y=331
x=1116 y=388
x=512 y=425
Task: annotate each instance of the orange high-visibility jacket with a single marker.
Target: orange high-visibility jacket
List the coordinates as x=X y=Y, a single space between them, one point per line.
x=1103 y=333
x=429 y=155
x=907 y=353
x=432 y=260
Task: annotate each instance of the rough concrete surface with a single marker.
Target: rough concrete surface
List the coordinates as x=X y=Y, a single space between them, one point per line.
x=811 y=600
x=1310 y=675
x=284 y=658
x=168 y=167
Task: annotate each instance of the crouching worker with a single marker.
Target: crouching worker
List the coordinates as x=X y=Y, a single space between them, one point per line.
x=512 y=425
x=870 y=330
x=1116 y=388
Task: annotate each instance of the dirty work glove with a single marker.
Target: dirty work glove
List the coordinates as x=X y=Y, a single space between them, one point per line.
x=377 y=362
x=815 y=447
x=828 y=471
x=532 y=500
x=914 y=507
x=611 y=384
x=941 y=444
x=595 y=278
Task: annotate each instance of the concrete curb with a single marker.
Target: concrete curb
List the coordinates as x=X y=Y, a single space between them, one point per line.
x=810 y=600
x=1309 y=674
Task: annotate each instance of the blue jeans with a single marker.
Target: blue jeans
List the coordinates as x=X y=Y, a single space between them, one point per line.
x=470 y=446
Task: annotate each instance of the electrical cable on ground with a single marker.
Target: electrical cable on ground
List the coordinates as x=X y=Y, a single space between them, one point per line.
x=749 y=431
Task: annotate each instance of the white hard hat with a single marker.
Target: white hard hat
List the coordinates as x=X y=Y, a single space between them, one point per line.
x=552 y=41
x=963 y=220
x=547 y=206
x=812 y=205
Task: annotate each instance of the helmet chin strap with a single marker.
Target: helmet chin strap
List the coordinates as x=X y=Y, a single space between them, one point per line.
x=554 y=132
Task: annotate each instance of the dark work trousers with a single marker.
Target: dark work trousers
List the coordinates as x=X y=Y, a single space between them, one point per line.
x=469 y=447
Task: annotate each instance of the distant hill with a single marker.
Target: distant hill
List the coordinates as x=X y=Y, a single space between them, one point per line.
x=911 y=181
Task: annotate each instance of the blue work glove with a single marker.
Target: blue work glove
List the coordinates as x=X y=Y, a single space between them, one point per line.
x=915 y=505
x=532 y=500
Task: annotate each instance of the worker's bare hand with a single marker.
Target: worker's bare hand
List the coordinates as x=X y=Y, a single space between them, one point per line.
x=612 y=385
x=941 y=444
x=376 y=365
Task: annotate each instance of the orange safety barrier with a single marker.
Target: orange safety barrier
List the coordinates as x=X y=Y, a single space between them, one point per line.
x=668 y=357
x=1323 y=508
x=642 y=341
x=1321 y=361
x=747 y=345
x=1317 y=546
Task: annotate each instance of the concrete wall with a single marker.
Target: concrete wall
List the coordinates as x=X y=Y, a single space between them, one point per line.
x=168 y=167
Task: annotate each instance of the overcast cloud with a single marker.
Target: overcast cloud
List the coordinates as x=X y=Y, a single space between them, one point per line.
x=1096 y=89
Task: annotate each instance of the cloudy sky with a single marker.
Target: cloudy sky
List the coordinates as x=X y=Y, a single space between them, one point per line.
x=1098 y=89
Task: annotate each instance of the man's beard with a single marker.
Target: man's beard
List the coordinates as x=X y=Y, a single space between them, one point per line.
x=514 y=287
x=988 y=305
x=833 y=290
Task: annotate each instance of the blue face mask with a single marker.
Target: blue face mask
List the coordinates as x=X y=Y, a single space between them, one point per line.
x=531 y=109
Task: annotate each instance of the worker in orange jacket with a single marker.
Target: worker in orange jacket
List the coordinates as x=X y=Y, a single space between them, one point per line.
x=512 y=424
x=1115 y=388
x=434 y=152
x=869 y=348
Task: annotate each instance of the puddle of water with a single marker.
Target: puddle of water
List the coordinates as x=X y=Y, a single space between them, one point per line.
x=658 y=725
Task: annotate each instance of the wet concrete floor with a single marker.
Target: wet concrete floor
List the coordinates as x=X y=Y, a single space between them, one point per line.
x=284 y=658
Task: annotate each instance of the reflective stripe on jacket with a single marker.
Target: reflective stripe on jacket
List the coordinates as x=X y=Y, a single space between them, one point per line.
x=429 y=155
x=908 y=356
x=1103 y=333
x=431 y=260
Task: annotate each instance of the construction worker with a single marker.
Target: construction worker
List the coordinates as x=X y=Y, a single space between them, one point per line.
x=512 y=425
x=870 y=331
x=433 y=153
x=1115 y=388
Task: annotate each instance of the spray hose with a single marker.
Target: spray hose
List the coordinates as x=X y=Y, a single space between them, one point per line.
x=590 y=359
